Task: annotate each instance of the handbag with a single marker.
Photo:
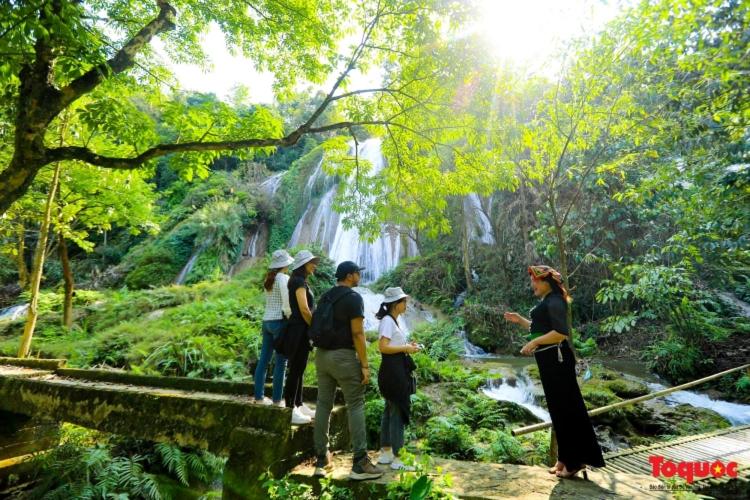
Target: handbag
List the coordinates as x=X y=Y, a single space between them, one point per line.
x=411 y=381
x=278 y=341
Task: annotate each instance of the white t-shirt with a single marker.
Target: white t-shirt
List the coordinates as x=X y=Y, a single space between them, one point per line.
x=390 y=330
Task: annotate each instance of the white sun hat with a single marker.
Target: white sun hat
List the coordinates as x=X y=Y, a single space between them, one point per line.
x=302 y=258
x=280 y=259
x=393 y=294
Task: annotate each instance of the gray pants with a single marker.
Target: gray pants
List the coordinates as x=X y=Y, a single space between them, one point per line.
x=340 y=367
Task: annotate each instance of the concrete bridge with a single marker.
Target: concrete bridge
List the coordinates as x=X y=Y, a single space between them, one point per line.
x=218 y=416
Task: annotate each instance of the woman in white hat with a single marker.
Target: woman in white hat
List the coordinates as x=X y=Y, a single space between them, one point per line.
x=297 y=346
x=395 y=377
x=277 y=309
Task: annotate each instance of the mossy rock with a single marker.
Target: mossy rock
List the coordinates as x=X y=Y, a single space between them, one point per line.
x=533 y=372
x=626 y=389
x=685 y=420
x=596 y=394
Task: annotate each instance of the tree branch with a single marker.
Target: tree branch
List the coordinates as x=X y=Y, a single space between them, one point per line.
x=123 y=59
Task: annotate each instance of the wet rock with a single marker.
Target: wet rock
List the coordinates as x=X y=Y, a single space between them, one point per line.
x=610 y=441
x=627 y=389
x=514 y=412
x=683 y=420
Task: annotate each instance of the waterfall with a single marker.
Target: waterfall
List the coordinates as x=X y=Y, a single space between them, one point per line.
x=321 y=224
x=272 y=184
x=13 y=313
x=471 y=350
x=519 y=390
x=477 y=221
x=188 y=266
x=256 y=239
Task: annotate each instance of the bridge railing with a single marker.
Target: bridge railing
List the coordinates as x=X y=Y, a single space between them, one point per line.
x=598 y=411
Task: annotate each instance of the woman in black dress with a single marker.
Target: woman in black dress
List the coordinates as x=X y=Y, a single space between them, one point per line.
x=296 y=343
x=548 y=341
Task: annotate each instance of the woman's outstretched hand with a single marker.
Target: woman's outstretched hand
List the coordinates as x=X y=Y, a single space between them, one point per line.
x=513 y=317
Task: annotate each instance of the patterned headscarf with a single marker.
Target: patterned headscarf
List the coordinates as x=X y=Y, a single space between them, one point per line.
x=538 y=273
x=541 y=272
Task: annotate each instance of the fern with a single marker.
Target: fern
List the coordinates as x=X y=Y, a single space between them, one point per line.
x=174 y=461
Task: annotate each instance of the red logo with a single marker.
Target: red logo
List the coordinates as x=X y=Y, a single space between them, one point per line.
x=690 y=470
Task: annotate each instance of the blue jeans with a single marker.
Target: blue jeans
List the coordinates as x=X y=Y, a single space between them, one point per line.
x=392 y=428
x=270 y=330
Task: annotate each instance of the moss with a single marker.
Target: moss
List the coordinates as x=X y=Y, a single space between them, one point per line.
x=627 y=389
x=182 y=418
x=44 y=364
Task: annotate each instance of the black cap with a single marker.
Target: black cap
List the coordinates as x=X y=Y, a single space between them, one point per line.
x=345 y=268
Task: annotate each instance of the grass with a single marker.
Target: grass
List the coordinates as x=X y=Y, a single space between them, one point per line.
x=211 y=328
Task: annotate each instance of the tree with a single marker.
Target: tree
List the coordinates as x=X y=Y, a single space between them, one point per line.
x=94 y=200
x=58 y=52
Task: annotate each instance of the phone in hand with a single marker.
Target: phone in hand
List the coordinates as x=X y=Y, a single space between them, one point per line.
x=420 y=347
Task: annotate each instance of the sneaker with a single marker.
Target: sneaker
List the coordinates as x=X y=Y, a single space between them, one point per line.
x=385 y=457
x=299 y=418
x=265 y=401
x=364 y=469
x=280 y=404
x=306 y=410
x=397 y=464
x=323 y=465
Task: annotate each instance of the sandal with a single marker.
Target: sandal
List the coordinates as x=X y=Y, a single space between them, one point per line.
x=569 y=474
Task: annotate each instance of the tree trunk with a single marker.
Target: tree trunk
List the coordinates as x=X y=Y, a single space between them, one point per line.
x=37 y=268
x=528 y=248
x=562 y=253
x=68 y=278
x=23 y=269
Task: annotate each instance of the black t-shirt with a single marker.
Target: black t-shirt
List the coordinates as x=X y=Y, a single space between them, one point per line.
x=347 y=308
x=550 y=314
x=296 y=282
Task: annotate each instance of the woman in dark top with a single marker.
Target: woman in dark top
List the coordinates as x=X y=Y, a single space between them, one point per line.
x=548 y=341
x=296 y=344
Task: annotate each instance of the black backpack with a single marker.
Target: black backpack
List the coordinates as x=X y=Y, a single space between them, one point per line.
x=322 y=332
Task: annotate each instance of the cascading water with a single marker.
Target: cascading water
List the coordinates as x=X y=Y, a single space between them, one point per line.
x=13 y=313
x=321 y=224
x=519 y=390
x=254 y=244
x=272 y=184
x=180 y=279
x=737 y=414
x=477 y=221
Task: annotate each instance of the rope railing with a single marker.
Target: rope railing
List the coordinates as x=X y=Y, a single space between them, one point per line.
x=620 y=404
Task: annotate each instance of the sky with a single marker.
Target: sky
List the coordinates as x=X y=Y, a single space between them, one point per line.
x=525 y=33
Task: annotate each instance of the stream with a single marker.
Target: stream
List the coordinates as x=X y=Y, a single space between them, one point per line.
x=520 y=389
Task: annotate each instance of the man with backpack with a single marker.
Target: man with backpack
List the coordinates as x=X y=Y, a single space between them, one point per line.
x=337 y=330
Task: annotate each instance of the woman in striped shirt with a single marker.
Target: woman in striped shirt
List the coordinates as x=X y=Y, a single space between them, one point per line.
x=274 y=318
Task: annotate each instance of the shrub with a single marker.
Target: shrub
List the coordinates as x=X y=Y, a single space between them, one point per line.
x=675 y=358
x=441 y=339
x=503 y=448
x=435 y=278
x=486 y=328
x=450 y=437
x=374 y=409
x=156 y=266
x=480 y=412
